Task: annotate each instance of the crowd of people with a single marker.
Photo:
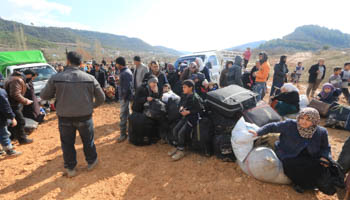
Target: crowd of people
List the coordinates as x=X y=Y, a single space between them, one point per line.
x=77 y=89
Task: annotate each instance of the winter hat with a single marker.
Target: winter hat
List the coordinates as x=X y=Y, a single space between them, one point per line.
x=188 y=83
x=152 y=79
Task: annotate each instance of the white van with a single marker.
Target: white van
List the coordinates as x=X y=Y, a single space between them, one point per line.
x=209 y=56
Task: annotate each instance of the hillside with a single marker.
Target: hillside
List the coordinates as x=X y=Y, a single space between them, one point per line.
x=310 y=37
x=48 y=37
x=251 y=45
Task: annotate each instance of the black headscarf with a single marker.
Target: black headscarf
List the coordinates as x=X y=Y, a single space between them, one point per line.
x=264 y=57
x=283 y=60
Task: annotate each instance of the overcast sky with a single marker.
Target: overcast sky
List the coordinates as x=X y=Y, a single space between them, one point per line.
x=187 y=25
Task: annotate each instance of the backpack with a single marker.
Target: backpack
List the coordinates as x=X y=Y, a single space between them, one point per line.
x=141 y=129
x=223 y=148
x=201 y=137
x=155 y=109
x=173 y=111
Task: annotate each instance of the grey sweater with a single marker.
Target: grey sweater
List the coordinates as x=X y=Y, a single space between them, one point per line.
x=75 y=91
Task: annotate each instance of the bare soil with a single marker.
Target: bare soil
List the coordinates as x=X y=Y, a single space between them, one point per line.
x=129 y=172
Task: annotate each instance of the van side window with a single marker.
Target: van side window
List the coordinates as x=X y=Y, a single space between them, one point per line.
x=8 y=72
x=213 y=60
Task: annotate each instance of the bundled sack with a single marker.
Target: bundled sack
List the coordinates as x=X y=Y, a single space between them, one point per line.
x=242 y=140
x=155 y=109
x=223 y=148
x=202 y=137
x=30 y=125
x=141 y=129
x=339 y=117
x=303 y=101
x=263 y=164
x=231 y=99
x=223 y=125
x=320 y=106
x=261 y=114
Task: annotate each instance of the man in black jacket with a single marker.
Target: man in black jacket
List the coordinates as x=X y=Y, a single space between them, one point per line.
x=99 y=74
x=317 y=73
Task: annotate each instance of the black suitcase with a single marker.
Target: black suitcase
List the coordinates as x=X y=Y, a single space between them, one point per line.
x=141 y=129
x=202 y=137
x=223 y=125
x=261 y=114
x=223 y=148
x=173 y=111
x=231 y=99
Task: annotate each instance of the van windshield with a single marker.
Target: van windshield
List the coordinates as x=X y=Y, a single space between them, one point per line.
x=188 y=59
x=44 y=72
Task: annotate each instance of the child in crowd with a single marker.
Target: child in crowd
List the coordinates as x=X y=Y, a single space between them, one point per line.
x=335 y=79
x=298 y=71
x=190 y=108
x=287 y=102
x=169 y=94
x=7 y=117
x=345 y=76
x=329 y=94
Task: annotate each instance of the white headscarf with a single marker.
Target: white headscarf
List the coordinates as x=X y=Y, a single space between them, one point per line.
x=289 y=87
x=200 y=63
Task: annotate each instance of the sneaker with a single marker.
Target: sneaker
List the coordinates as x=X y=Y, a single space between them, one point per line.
x=70 y=173
x=122 y=138
x=25 y=141
x=172 y=152
x=2 y=152
x=178 y=155
x=92 y=165
x=12 y=152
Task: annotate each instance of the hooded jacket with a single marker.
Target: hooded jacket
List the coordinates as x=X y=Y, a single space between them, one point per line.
x=281 y=69
x=234 y=75
x=16 y=88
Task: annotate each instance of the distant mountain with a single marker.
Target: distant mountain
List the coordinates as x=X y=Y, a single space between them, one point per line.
x=310 y=37
x=38 y=37
x=251 y=45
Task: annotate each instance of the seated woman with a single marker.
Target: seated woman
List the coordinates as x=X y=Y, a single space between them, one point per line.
x=287 y=102
x=303 y=148
x=146 y=93
x=201 y=83
x=329 y=94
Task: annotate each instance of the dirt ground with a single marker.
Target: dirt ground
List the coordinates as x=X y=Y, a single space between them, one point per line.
x=129 y=172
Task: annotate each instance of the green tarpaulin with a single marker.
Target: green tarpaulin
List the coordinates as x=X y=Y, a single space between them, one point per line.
x=9 y=58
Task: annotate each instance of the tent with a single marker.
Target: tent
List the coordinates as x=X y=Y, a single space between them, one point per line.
x=9 y=58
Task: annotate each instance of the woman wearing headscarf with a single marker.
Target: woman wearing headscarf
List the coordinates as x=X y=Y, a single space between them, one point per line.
x=279 y=75
x=303 y=148
x=146 y=93
x=329 y=94
x=201 y=83
x=287 y=102
x=223 y=74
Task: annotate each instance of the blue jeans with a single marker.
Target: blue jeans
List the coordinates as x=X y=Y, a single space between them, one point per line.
x=5 y=137
x=68 y=133
x=124 y=114
x=259 y=88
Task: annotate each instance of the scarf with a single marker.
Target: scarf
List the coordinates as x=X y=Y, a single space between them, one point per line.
x=325 y=95
x=314 y=117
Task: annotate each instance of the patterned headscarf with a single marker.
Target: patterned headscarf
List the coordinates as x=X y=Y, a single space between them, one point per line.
x=314 y=117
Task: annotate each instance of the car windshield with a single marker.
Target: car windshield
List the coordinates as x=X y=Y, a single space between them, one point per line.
x=44 y=72
x=188 y=59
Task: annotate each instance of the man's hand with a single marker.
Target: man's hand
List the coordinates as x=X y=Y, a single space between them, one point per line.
x=185 y=113
x=14 y=122
x=149 y=99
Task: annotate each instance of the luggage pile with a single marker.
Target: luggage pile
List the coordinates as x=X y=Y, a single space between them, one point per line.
x=339 y=117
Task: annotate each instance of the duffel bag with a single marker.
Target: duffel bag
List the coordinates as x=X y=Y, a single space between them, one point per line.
x=223 y=148
x=320 y=106
x=231 y=99
x=140 y=129
x=338 y=117
x=155 y=109
x=30 y=125
x=202 y=137
x=173 y=111
x=223 y=125
x=261 y=114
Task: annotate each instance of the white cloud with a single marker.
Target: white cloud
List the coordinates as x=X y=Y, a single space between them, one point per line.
x=42 y=6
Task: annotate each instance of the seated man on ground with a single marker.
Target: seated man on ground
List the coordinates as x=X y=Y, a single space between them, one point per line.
x=287 y=102
x=146 y=93
x=190 y=109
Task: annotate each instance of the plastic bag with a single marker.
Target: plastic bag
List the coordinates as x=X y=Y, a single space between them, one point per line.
x=263 y=164
x=242 y=141
x=303 y=101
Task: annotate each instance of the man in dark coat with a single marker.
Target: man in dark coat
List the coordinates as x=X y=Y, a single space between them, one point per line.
x=155 y=70
x=234 y=75
x=279 y=75
x=317 y=73
x=99 y=74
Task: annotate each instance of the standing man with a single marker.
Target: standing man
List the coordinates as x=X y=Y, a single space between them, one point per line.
x=279 y=76
x=317 y=73
x=246 y=56
x=99 y=74
x=125 y=95
x=234 y=75
x=16 y=88
x=139 y=72
x=75 y=92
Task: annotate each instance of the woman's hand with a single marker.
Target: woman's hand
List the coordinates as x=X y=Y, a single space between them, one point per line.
x=324 y=160
x=149 y=98
x=185 y=113
x=253 y=132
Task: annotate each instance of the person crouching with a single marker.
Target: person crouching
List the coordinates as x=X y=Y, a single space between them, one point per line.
x=190 y=109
